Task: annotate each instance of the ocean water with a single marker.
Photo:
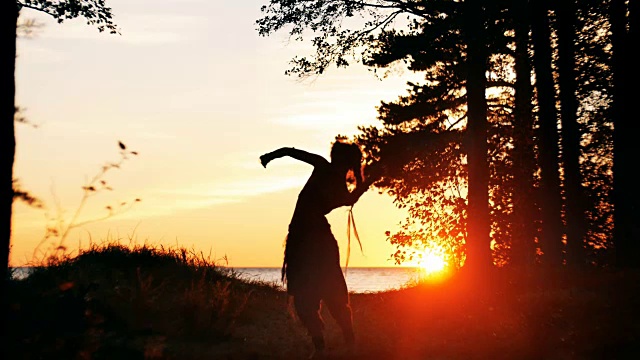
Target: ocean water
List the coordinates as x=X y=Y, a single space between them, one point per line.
x=359 y=280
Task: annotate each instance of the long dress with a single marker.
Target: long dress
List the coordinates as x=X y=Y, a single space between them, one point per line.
x=311 y=258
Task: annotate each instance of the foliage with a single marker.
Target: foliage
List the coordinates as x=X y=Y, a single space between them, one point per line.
x=28 y=28
x=20 y=118
x=419 y=138
x=95 y=12
x=420 y=48
x=343 y=30
x=435 y=222
x=20 y=194
x=596 y=125
x=432 y=180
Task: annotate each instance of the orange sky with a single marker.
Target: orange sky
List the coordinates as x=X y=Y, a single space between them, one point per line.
x=193 y=88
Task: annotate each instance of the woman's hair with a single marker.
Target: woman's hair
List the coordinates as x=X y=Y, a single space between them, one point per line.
x=349 y=155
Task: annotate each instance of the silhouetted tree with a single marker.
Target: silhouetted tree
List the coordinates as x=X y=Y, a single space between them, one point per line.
x=431 y=49
x=8 y=23
x=626 y=195
x=567 y=81
x=476 y=138
x=96 y=13
x=533 y=186
x=551 y=203
x=592 y=61
x=339 y=46
x=421 y=139
x=433 y=183
x=524 y=197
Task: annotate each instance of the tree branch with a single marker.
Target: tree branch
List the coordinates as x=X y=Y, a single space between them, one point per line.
x=29 y=6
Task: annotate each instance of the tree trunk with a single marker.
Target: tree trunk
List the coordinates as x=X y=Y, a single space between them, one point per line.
x=633 y=94
x=8 y=23
x=551 y=203
x=478 y=240
x=523 y=245
x=625 y=193
x=573 y=190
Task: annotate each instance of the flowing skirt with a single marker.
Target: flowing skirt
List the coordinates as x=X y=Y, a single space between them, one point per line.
x=312 y=258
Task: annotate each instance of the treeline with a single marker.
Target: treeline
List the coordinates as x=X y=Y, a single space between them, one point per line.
x=517 y=149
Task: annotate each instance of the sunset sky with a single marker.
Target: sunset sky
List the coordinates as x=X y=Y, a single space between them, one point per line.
x=192 y=87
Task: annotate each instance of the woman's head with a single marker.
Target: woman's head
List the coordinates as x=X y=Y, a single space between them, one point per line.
x=347 y=156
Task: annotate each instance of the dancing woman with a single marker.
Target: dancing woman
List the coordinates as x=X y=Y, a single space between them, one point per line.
x=311 y=267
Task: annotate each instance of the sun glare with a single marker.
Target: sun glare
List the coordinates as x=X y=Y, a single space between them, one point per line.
x=432 y=262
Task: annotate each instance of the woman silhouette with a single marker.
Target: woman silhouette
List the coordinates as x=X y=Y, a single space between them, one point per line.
x=311 y=267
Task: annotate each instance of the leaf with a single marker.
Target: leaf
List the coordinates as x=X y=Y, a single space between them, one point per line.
x=121 y=145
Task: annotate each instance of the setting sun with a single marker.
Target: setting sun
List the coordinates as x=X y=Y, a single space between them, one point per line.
x=432 y=261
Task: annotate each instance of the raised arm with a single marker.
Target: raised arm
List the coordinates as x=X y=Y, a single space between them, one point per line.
x=309 y=158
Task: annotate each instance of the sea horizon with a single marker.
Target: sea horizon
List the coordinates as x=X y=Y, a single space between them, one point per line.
x=359 y=279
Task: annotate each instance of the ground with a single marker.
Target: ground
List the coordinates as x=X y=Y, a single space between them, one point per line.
x=144 y=303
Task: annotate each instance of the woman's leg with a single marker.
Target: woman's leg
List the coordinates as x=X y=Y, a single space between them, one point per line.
x=307 y=305
x=337 y=300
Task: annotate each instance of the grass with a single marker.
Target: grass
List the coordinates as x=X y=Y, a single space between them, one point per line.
x=116 y=302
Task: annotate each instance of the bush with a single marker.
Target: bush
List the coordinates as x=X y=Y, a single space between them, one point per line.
x=113 y=300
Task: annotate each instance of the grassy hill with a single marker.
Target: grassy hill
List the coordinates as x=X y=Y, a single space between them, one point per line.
x=115 y=302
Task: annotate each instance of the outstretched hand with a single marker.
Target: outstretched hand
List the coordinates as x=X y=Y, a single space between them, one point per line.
x=264 y=160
